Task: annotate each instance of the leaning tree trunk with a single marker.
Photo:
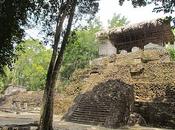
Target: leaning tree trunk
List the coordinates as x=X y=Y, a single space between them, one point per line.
x=48 y=94
x=46 y=119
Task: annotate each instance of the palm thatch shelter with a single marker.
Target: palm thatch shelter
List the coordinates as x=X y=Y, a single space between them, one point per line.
x=137 y=35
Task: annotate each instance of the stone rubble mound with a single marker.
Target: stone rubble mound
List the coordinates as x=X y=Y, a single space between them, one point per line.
x=150 y=72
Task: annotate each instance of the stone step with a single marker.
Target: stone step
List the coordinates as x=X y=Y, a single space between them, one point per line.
x=88 y=117
x=93 y=109
x=90 y=114
x=104 y=100
x=94 y=103
x=86 y=121
x=90 y=103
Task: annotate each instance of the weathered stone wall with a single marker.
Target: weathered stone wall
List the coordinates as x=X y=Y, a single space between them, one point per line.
x=157 y=114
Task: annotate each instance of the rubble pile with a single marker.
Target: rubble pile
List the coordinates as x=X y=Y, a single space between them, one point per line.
x=150 y=72
x=22 y=102
x=150 y=78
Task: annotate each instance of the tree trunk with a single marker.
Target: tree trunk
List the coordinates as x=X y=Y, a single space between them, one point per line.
x=47 y=97
x=46 y=119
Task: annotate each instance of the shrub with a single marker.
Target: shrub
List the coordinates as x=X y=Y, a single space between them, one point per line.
x=171 y=51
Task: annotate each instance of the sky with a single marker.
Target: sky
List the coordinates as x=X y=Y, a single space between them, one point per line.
x=109 y=7
x=134 y=15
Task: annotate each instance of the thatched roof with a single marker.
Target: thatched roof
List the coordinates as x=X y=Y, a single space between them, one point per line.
x=138 y=35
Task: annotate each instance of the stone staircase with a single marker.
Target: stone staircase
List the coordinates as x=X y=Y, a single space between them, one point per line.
x=89 y=112
x=108 y=104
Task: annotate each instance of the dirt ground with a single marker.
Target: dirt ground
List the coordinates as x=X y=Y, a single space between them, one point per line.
x=27 y=118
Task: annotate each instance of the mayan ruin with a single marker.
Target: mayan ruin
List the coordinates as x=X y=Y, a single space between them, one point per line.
x=87 y=65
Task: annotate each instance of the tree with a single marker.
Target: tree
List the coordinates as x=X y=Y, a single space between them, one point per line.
x=171 y=52
x=16 y=14
x=81 y=49
x=2 y=83
x=13 y=15
x=66 y=13
x=117 y=21
x=166 y=6
x=30 y=68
